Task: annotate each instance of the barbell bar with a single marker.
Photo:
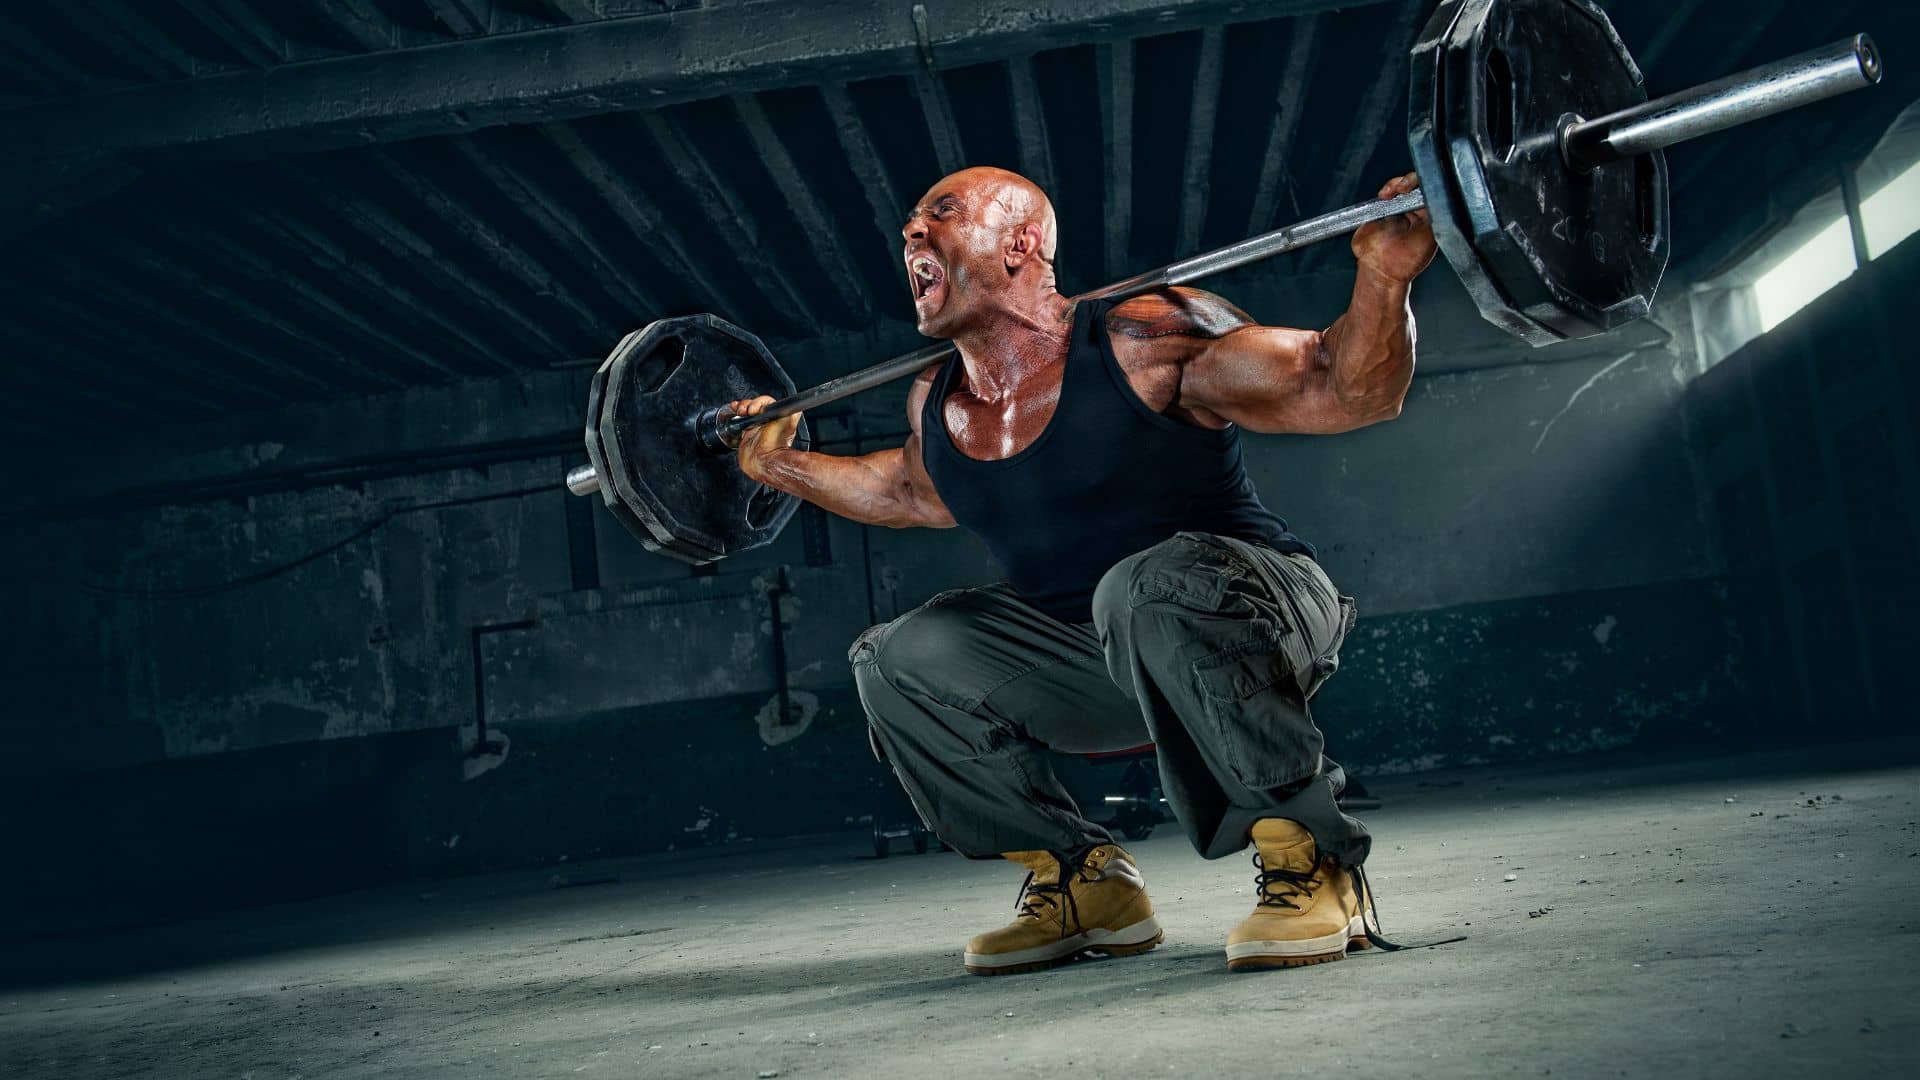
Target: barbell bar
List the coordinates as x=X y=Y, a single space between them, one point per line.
x=1466 y=127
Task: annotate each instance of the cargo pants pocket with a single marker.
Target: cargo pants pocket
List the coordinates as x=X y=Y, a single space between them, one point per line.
x=1255 y=713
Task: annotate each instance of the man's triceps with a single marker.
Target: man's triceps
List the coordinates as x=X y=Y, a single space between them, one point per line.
x=1269 y=379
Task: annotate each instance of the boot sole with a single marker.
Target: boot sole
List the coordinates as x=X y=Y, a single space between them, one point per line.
x=1268 y=955
x=1127 y=941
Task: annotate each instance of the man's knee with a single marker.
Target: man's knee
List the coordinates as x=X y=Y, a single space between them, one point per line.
x=1182 y=571
x=1113 y=596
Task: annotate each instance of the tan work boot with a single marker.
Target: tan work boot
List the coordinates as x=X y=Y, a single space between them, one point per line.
x=1306 y=909
x=1102 y=908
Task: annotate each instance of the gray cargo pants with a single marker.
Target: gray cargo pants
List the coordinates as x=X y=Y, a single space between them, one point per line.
x=1208 y=646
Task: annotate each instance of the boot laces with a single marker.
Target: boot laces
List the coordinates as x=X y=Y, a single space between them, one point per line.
x=1277 y=888
x=1370 y=919
x=1037 y=897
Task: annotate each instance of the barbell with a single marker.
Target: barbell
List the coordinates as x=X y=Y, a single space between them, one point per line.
x=1539 y=159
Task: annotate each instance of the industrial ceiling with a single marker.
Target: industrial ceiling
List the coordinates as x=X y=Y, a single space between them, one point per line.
x=209 y=206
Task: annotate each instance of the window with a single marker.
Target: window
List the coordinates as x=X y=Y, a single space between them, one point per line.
x=1893 y=213
x=1814 y=251
x=1806 y=272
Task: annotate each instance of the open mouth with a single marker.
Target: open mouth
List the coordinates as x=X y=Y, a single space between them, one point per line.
x=927 y=278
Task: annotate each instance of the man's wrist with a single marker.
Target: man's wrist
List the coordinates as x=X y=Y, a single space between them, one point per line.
x=1371 y=274
x=763 y=467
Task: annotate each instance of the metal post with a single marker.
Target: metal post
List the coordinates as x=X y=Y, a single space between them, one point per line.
x=1856 y=225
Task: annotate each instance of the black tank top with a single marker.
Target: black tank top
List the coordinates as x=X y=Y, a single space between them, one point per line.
x=1106 y=478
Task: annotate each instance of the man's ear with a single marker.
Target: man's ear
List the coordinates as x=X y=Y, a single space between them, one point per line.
x=1022 y=245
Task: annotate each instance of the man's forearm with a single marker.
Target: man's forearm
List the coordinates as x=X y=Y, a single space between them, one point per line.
x=871 y=489
x=1370 y=347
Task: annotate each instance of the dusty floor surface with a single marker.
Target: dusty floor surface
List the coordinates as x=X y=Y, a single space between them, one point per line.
x=1747 y=916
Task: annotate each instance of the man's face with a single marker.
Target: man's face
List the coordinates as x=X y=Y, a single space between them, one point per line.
x=953 y=260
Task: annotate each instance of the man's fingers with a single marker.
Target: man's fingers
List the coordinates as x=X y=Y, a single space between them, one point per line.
x=775 y=433
x=750 y=406
x=1399 y=185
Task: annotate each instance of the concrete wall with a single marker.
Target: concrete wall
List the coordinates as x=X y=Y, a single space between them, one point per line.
x=270 y=631
x=1811 y=459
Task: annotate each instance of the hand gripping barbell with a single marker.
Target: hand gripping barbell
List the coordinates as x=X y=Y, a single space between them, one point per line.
x=1548 y=196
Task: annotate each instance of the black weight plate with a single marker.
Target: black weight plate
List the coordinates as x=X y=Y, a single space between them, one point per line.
x=610 y=492
x=656 y=382
x=1579 y=253
x=1427 y=141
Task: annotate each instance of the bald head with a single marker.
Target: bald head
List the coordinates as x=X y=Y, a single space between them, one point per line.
x=1008 y=201
x=983 y=239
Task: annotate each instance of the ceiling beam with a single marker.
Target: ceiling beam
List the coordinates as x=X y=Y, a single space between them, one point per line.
x=30 y=69
x=722 y=48
x=1373 y=119
x=376 y=288
x=651 y=227
x=23 y=49
x=471 y=224
x=1296 y=74
x=1671 y=24
x=140 y=384
x=337 y=373
x=1113 y=68
x=243 y=30
x=728 y=218
x=161 y=383
x=87 y=319
x=556 y=219
x=1030 y=124
x=463 y=17
x=132 y=32
x=575 y=10
x=1369 y=124
x=246 y=259
x=98 y=29
x=821 y=232
x=942 y=128
x=261 y=368
x=1202 y=110
x=408 y=247
x=359 y=21
x=863 y=157
x=31 y=196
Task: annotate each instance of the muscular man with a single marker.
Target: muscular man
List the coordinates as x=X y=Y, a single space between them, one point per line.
x=1095 y=448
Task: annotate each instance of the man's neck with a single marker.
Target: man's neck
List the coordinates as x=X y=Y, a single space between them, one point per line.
x=1015 y=344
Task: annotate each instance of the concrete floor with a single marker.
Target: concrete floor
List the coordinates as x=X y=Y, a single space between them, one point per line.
x=1746 y=916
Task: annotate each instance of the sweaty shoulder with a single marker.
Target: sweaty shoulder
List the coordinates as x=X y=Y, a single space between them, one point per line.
x=1156 y=335
x=1176 y=312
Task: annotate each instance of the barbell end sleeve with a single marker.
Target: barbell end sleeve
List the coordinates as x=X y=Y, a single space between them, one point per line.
x=583 y=480
x=1869 y=57
x=1844 y=66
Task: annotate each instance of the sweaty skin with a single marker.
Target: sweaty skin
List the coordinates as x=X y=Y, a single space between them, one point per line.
x=979 y=256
